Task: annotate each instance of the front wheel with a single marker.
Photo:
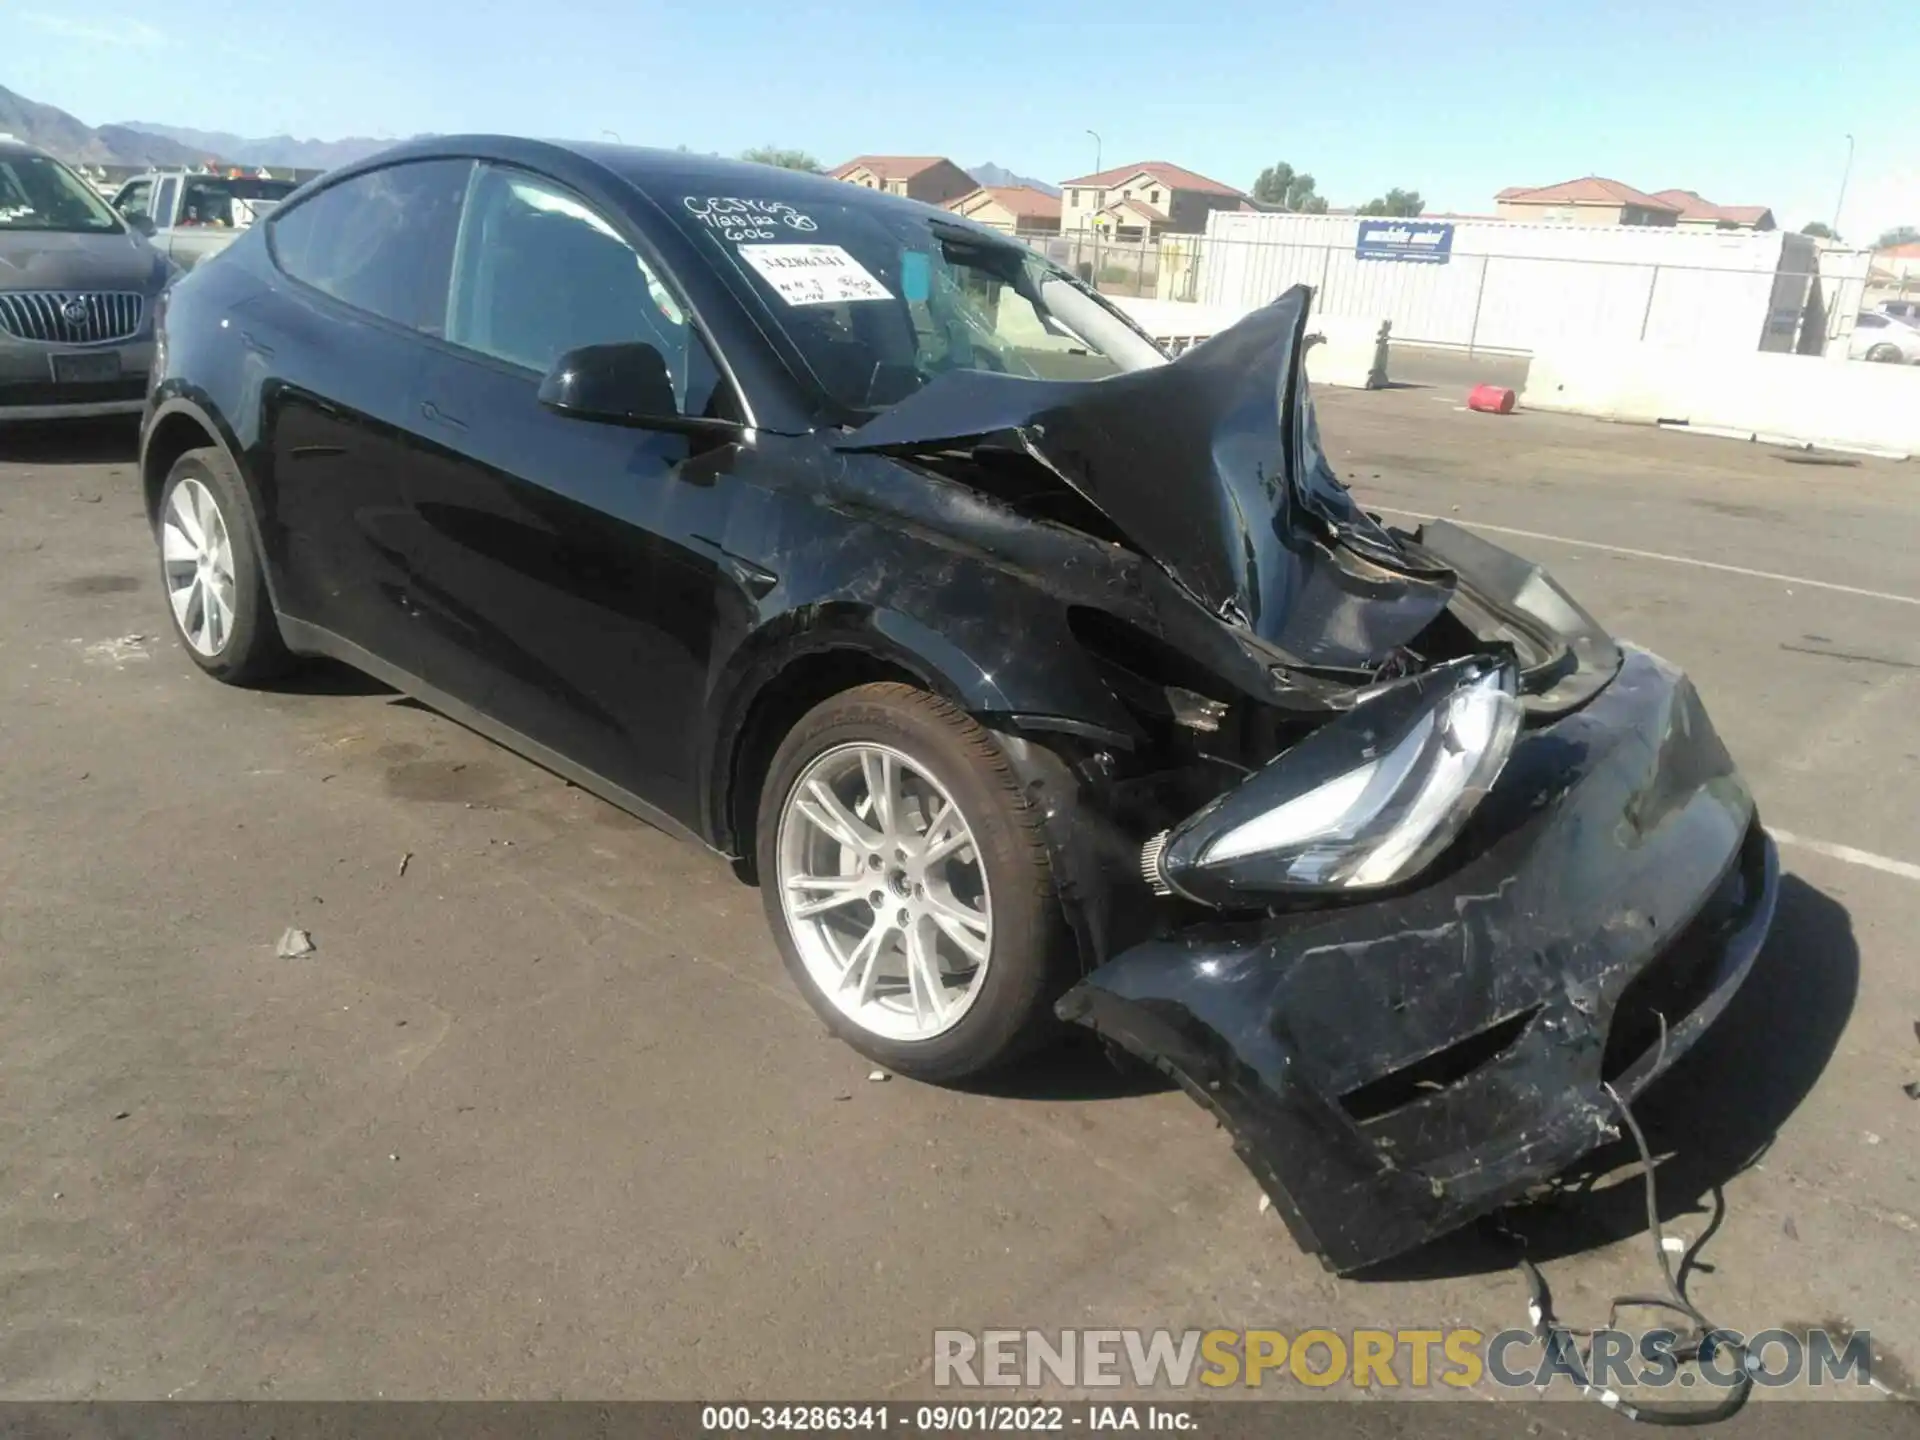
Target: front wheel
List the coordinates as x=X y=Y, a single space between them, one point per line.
x=908 y=885
x=1884 y=354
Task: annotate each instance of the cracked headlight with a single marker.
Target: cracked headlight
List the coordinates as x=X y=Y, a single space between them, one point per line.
x=1367 y=800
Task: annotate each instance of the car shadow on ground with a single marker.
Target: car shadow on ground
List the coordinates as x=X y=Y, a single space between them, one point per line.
x=314 y=675
x=71 y=442
x=1077 y=1066
x=1707 y=1119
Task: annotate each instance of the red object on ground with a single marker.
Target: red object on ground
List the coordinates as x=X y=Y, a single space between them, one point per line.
x=1494 y=399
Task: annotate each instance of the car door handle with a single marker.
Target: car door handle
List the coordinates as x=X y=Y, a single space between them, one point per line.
x=433 y=412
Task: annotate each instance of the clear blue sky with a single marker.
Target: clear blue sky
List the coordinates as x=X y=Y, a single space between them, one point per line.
x=1748 y=103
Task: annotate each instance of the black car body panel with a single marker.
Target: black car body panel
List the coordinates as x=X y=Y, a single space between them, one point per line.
x=1391 y=1070
x=1147 y=585
x=1196 y=463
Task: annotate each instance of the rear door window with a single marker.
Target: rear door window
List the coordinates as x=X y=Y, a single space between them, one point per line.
x=381 y=241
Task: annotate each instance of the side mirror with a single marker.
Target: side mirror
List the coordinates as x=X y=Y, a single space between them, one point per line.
x=622 y=384
x=143 y=223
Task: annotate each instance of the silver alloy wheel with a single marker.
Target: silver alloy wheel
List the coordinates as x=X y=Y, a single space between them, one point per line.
x=197 y=556
x=884 y=892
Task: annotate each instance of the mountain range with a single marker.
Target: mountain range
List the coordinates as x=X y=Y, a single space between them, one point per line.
x=145 y=142
x=266 y=149
x=140 y=142
x=77 y=143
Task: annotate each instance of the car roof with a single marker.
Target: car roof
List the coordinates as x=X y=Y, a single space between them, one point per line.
x=14 y=145
x=662 y=175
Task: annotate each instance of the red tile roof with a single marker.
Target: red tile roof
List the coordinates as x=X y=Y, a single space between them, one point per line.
x=1588 y=190
x=1022 y=201
x=889 y=167
x=1694 y=206
x=1171 y=176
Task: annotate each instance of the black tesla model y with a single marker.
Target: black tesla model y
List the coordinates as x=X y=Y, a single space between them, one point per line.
x=1033 y=675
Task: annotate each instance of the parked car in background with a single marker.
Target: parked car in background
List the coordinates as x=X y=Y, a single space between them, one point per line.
x=191 y=214
x=78 y=289
x=1884 y=338
x=1907 y=310
x=1034 y=674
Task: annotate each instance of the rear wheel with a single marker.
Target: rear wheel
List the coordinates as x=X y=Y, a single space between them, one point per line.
x=908 y=885
x=1884 y=354
x=216 y=589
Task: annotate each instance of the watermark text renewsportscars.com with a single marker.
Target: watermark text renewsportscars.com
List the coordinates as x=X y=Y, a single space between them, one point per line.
x=1369 y=1359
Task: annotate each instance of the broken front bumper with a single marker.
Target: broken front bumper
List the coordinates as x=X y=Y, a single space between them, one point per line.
x=1393 y=1068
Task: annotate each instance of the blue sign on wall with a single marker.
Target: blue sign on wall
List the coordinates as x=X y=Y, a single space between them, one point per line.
x=1430 y=242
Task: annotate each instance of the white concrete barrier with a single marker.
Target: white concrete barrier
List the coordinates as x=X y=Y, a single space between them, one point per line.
x=1347 y=352
x=1791 y=399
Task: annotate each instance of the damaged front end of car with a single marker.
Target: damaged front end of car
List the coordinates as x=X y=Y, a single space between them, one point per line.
x=1402 y=889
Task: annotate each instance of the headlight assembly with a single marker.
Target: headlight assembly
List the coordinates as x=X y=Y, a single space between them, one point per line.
x=1367 y=800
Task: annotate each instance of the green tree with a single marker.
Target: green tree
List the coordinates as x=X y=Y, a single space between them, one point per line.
x=1818 y=230
x=1286 y=187
x=784 y=159
x=1396 y=201
x=1899 y=235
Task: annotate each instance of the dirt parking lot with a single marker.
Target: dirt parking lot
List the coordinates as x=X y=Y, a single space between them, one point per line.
x=543 y=1117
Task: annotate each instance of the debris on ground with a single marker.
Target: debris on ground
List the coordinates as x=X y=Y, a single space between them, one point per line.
x=294 y=944
x=1491 y=399
x=1266 y=1202
x=1789 y=1229
x=404 y=859
x=1911 y=1089
x=1869 y=1137
x=879 y=1075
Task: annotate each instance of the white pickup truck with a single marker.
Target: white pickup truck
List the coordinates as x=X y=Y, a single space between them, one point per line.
x=189 y=214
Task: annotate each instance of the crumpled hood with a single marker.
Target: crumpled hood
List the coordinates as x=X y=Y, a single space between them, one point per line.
x=1211 y=465
x=52 y=260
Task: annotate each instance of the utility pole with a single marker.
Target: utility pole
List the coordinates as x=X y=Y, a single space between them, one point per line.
x=1096 y=150
x=1844 y=173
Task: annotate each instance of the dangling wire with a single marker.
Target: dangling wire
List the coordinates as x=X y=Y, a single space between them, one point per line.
x=1701 y=1338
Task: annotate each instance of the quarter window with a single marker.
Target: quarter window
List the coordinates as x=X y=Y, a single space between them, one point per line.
x=381 y=242
x=539 y=273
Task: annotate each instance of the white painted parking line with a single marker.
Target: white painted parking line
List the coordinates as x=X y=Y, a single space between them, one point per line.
x=1904 y=869
x=1656 y=555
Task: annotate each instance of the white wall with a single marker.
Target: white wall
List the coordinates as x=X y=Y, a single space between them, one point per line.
x=1516 y=286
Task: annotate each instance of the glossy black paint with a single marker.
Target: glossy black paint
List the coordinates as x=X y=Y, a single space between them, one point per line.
x=618 y=594
x=1619 y=843
x=640 y=605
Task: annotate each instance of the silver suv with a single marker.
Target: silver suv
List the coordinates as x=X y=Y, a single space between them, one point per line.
x=77 y=295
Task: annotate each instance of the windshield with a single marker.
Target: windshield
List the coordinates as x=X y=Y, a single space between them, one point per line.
x=37 y=192
x=880 y=299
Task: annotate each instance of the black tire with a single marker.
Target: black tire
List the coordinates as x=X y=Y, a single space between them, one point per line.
x=1030 y=962
x=251 y=650
x=1884 y=354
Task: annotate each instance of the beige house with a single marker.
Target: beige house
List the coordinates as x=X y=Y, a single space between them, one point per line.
x=1697 y=213
x=1018 y=208
x=932 y=178
x=1138 y=202
x=1592 y=200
